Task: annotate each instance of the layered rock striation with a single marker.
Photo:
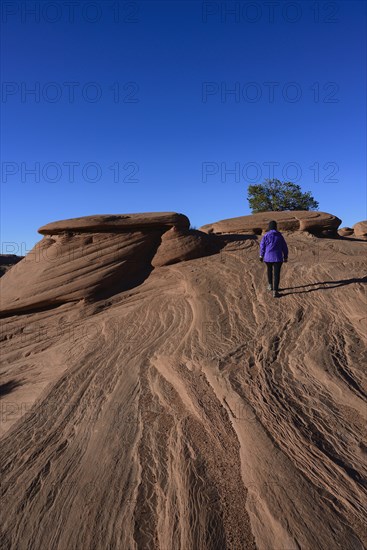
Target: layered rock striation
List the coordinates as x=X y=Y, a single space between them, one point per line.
x=319 y=223
x=97 y=256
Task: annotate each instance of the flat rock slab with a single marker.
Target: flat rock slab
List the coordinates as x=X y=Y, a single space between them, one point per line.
x=117 y=222
x=296 y=220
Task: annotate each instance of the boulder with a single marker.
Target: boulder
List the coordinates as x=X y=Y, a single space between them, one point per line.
x=360 y=229
x=86 y=258
x=96 y=257
x=295 y=220
x=345 y=231
x=178 y=245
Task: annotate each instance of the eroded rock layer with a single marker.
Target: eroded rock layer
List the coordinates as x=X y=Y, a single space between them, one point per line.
x=296 y=220
x=360 y=229
x=192 y=411
x=96 y=256
x=7 y=261
x=117 y=222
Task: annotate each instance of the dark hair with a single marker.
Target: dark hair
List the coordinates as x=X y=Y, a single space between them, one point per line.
x=272 y=225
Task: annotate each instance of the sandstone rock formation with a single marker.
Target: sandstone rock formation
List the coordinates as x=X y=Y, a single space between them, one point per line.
x=178 y=245
x=190 y=410
x=7 y=261
x=360 y=229
x=345 y=231
x=94 y=256
x=117 y=222
x=297 y=220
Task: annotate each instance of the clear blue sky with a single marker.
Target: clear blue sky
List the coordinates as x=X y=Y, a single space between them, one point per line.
x=132 y=111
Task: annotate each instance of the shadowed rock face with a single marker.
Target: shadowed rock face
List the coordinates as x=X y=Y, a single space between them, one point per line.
x=70 y=266
x=191 y=410
x=296 y=220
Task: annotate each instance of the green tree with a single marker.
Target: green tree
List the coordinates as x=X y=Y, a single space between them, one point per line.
x=276 y=195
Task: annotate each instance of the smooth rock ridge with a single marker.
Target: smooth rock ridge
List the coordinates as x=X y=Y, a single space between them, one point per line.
x=296 y=220
x=96 y=257
x=117 y=222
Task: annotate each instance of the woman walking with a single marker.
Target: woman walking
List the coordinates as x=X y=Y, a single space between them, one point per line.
x=273 y=251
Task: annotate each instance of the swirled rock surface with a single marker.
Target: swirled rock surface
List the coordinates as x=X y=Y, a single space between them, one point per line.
x=295 y=220
x=190 y=411
x=91 y=257
x=117 y=222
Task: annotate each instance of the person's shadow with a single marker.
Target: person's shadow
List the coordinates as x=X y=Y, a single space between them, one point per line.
x=322 y=285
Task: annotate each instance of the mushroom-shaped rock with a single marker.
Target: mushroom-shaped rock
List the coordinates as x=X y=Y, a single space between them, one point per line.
x=360 y=229
x=345 y=231
x=90 y=257
x=315 y=222
x=179 y=245
x=117 y=223
x=295 y=220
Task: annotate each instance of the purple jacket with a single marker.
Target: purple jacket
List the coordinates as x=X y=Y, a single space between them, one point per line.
x=273 y=247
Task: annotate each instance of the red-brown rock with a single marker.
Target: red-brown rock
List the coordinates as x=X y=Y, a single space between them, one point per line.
x=117 y=222
x=296 y=220
x=345 y=231
x=97 y=256
x=360 y=229
x=179 y=245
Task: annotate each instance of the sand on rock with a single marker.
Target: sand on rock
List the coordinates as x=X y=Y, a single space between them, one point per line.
x=189 y=409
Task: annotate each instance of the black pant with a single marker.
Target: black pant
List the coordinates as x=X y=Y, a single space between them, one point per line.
x=274 y=267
